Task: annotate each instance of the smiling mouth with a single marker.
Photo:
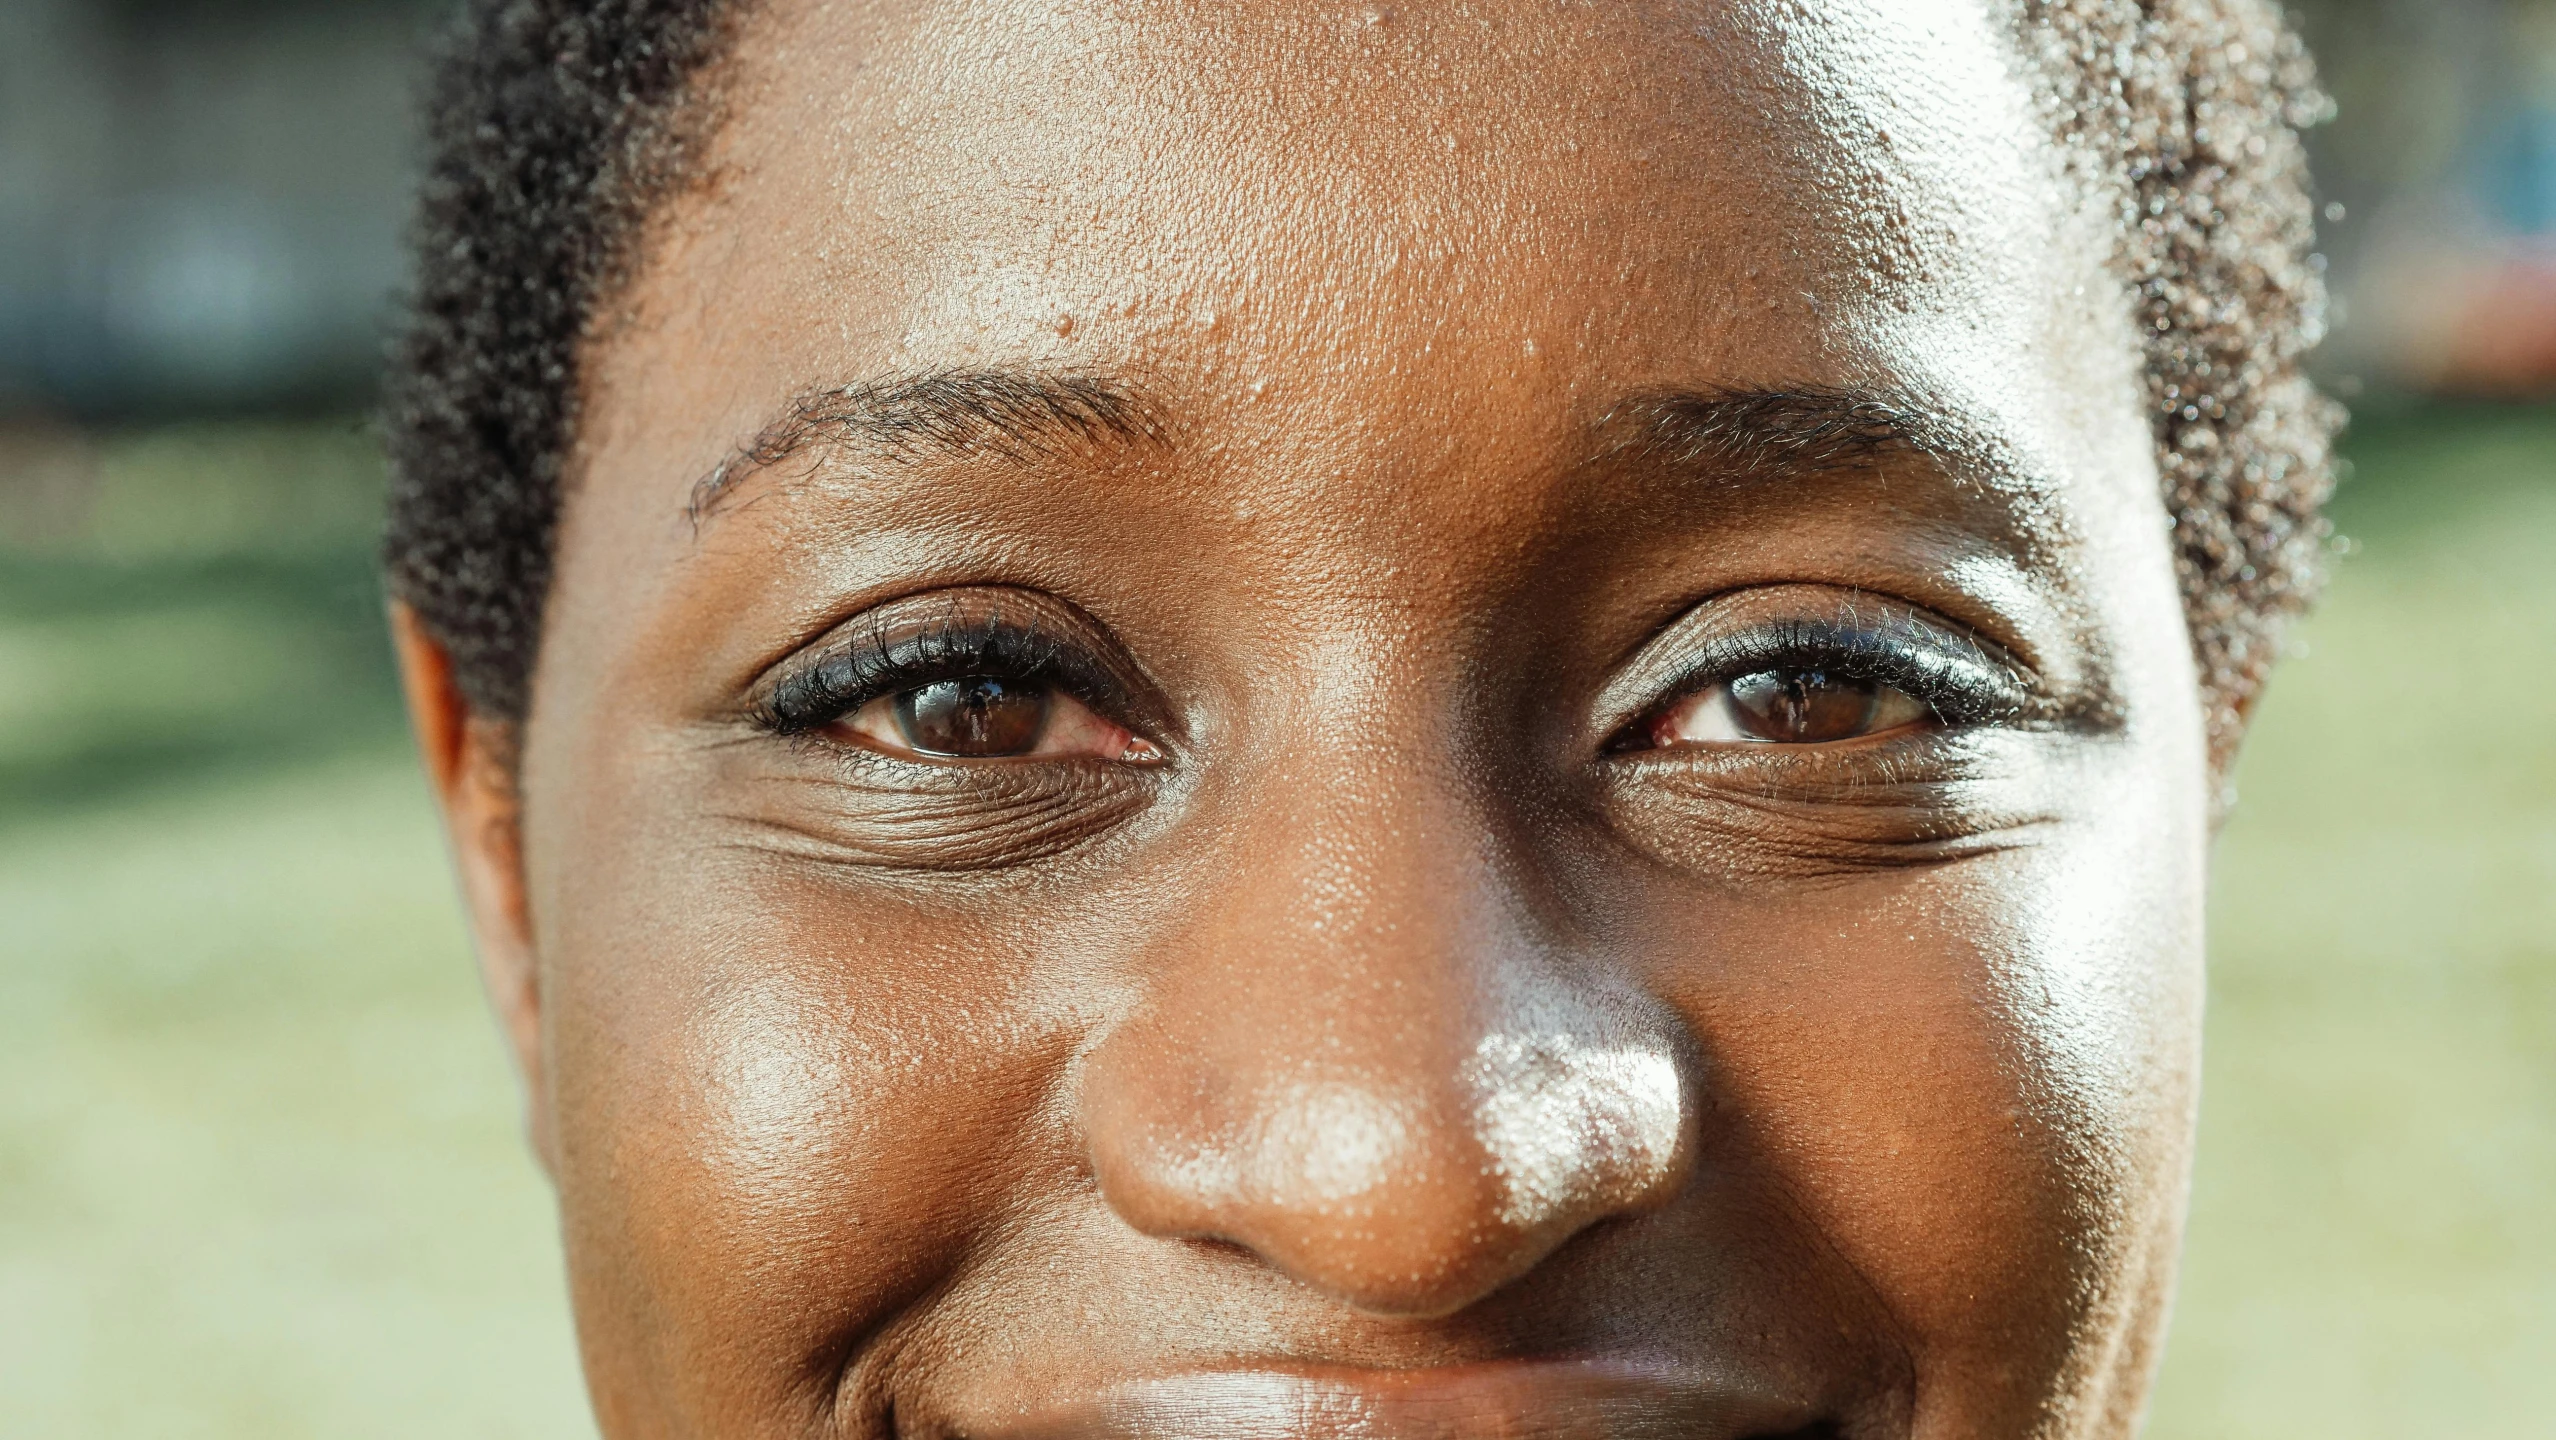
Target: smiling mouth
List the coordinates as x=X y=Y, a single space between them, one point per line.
x=1507 y=1401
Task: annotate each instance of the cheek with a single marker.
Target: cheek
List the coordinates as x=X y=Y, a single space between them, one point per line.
x=784 y=1106
x=1978 y=1081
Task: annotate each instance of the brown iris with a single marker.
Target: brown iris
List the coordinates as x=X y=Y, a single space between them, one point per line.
x=977 y=716
x=1802 y=707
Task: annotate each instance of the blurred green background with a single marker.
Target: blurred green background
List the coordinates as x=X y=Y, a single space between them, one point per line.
x=259 y=1167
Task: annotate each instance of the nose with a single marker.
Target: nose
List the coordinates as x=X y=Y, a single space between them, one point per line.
x=1359 y=1062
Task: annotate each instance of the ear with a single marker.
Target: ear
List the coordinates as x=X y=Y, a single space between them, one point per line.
x=470 y=767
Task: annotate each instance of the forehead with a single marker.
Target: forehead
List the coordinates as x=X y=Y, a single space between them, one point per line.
x=1565 y=198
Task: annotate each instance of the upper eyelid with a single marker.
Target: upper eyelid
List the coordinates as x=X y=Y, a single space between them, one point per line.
x=880 y=665
x=1769 y=645
x=1665 y=670
x=942 y=645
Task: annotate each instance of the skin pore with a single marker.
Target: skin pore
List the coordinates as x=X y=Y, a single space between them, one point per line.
x=1357 y=721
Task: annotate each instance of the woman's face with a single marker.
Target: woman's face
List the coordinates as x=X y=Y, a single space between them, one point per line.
x=1363 y=720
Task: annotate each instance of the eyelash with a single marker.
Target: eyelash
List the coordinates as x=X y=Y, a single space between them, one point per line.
x=1962 y=689
x=875 y=664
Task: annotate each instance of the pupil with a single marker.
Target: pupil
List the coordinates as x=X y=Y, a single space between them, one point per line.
x=978 y=716
x=1803 y=707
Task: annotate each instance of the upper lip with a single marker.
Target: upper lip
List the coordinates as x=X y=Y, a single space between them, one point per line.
x=1511 y=1400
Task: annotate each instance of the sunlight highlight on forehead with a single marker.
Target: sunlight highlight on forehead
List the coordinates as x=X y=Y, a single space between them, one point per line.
x=1970 y=265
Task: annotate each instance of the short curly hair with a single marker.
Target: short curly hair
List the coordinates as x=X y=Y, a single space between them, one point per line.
x=554 y=127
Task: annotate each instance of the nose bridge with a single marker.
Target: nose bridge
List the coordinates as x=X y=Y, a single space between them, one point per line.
x=1365 y=1060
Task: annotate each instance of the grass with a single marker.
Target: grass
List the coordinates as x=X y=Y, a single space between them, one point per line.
x=259 y=1174
x=2370 y=1252
x=259 y=1169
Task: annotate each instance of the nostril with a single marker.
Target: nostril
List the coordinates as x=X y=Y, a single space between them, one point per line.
x=1818 y=1430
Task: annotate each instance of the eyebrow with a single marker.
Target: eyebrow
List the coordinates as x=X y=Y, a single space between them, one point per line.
x=1786 y=430
x=1025 y=415
x=1018 y=414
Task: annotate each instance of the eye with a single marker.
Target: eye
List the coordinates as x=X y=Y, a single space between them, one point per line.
x=967 y=675
x=990 y=717
x=1787 y=706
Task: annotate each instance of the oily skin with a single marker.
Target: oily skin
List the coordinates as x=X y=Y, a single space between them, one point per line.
x=1395 y=1055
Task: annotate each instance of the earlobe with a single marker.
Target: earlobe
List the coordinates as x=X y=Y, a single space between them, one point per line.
x=469 y=763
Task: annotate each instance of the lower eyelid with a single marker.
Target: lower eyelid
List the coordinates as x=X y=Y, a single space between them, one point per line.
x=970 y=819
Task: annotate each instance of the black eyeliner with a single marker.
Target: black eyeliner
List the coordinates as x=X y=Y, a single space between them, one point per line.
x=1972 y=688
x=878 y=661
